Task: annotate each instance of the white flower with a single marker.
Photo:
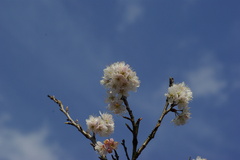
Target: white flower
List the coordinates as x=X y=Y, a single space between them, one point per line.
x=102 y=125
x=110 y=145
x=199 y=158
x=182 y=118
x=102 y=129
x=179 y=94
x=108 y=119
x=107 y=147
x=109 y=122
x=100 y=148
x=119 y=78
x=92 y=123
x=116 y=106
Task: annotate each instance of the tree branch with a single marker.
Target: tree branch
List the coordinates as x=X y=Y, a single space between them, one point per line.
x=154 y=131
x=125 y=149
x=152 y=134
x=116 y=155
x=135 y=127
x=70 y=121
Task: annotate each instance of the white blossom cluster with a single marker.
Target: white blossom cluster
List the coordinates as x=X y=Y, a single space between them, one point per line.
x=119 y=79
x=102 y=125
x=180 y=95
x=199 y=158
x=106 y=147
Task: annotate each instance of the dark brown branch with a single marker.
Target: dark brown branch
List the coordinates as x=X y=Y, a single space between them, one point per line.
x=102 y=158
x=159 y=122
x=125 y=149
x=138 y=121
x=171 y=81
x=113 y=157
x=116 y=155
x=152 y=134
x=130 y=129
x=70 y=120
x=134 y=130
x=127 y=118
x=124 y=98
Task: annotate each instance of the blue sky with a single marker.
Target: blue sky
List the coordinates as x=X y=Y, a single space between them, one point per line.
x=60 y=47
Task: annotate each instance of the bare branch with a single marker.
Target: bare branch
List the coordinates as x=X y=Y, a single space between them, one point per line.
x=125 y=149
x=171 y=81
x=116 y=155
x=102 y=158
x=124 y=98
x=152 y=134
x=70 y=121
x=154 y=131
x=134 y=129
x=113 y=157
x=129 y=127
x=138 y=121
x=127 y=118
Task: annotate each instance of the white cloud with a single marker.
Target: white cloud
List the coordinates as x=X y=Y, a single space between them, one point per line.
x=207 y=79
x=205 y=82
x=16 y=145
x=131 y=12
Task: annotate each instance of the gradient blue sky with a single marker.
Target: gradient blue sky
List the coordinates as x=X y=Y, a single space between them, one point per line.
x=60 y=47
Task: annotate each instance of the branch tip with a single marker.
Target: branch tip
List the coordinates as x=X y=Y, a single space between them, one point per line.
x=171 y=81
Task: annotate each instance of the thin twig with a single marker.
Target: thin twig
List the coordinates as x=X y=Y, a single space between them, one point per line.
x=102 y=158
x=127 y=118
x=116 y=155
x=135 y=127
x=113 y=157
x=124 y=98
x=130 y=129
x=152 y=134
x=154 y=131
x=171 y=81
x=125 y=149
x=70 y=121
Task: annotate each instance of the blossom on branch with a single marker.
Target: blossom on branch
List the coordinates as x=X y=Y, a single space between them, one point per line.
x=115 y=104
x=102 y=125
x=119 y=79
x=110 y=145
x=199 y=158
x=106 y=147
x=182 y=118
x=100 y=148
x=179 y=95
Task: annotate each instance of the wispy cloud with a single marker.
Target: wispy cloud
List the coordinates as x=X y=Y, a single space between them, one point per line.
x=131 y=12
x=16 y=145
x=205 y=82
x=207 y=79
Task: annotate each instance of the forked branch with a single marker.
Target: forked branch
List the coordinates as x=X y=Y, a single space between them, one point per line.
x=154 y=131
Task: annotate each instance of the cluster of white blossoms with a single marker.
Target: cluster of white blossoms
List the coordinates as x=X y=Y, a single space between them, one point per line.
x=199 y=158
x=106 y=147
x=102 y=125
x=180 y=95
x=119 y=79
